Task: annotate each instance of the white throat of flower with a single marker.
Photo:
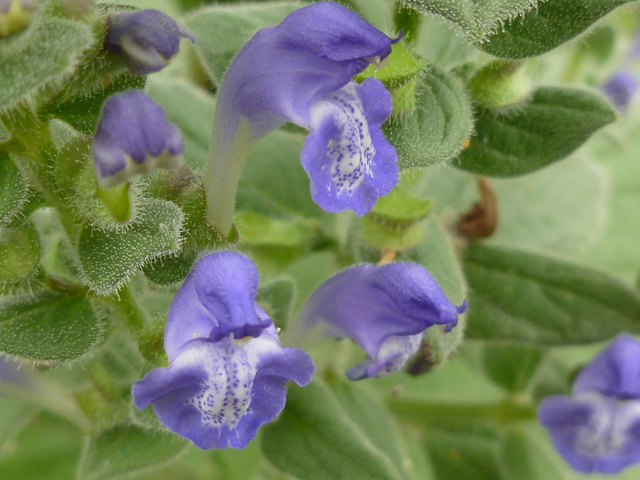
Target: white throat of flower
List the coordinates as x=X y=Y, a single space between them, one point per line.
x=226 y=392
x=608 y=428
x=350 y=153
x=395 y=351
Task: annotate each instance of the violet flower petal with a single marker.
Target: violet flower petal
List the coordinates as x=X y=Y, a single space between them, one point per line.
x=349 y=161
x=593 y=432
x=277 y=77
x=385 y=309
x=146 y=40
x=134 y=136
x=217 y=394
x=217 y=299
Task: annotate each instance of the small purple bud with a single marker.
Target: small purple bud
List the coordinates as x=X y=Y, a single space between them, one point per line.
x=621 y=88
x=15 y=15
x=385 y=309
x=597 y=428
x=134 y=136
x=146 y=40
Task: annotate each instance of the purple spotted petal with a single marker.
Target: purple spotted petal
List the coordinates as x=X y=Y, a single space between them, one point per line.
x=593 y=432
x=146 y=40
x=218 y=298
x=349 y=161
x=621 y=88
x=217 y=394
x=385 y=309
x=134 y=136
x=615 y=372
x=277 y=77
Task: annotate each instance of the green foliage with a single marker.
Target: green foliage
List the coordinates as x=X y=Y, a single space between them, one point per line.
x=14 y=191
x=334 y=431
x=276 y=297
x=436 y=130
x=401 y=68
x=19 y=256
x=39 y=59
x=551 y=24
x=549 y=126
x=476 y=18
x=49 y=327
x=222 y=30
x=124 y=450
x=82 y=112
x=109 y=258
x=557 y=302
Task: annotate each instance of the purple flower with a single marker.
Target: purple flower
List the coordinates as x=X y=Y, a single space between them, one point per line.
x=300 y=71
x=146 y=40
x=134 y=136
x=621 y=88
x=597 y=428
x=385 y=309
x=227 y=371
x=15 y=15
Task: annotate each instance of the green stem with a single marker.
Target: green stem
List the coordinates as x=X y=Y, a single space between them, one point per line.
x=425 y=412
x=128 y=310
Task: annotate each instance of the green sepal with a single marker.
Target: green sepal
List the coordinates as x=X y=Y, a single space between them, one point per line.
x=556 y=302
x=352 y=435
x=40 y=59
x=14 y=191
x=48 y=327
x=404 y=97
x=125 y=450
x=117 y=200
x=276 y=298
x=550 y=25
x=110 y=257
x=402 y=67
x=499 y=84
x=171 y=270
x=19 y=257
x=436 y=129
x=390 y=237
x=548 y=127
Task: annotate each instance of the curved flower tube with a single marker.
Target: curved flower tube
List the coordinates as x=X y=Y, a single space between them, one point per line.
x=146 y=40
x=228 y=371
x=134 y=136
x=299 y=71
x=597 y=428
x=385 y=309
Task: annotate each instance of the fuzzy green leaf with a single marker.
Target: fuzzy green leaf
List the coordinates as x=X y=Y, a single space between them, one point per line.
x=41 y=58
x=524 y=296
x=126 y=449
x=553 y=23
x=545 y=129
x=48 y=328
x=322 y=435
x=276 y=297
x=436 y=130
x=14 y=191
x=476 y=18
x=109 y=258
